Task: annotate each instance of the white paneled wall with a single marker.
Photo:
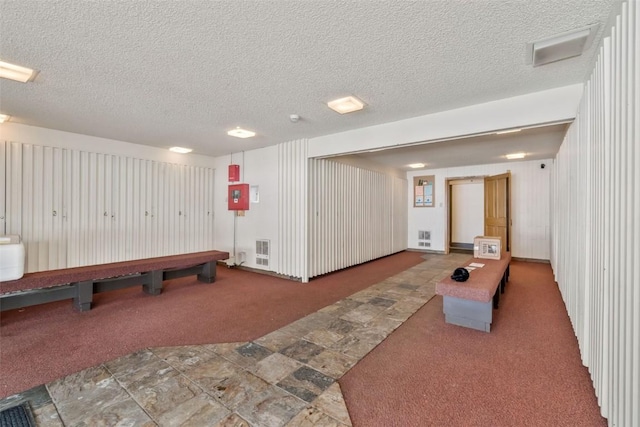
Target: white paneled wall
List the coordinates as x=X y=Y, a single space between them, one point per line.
x=596 y=227
x=75 y=208
x=355 y=215
x=292 y=209
x=399 y=214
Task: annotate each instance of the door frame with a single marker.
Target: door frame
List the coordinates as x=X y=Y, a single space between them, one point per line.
x=449 y=182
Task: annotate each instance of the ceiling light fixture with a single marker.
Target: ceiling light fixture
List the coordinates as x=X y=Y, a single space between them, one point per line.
x=346 y=105
x=416 y=165
x=4 y=118
x=502 y=132
x=180 y=150
x=241 y=133
x=561 y=46
x=516 y=156
x=16 y=72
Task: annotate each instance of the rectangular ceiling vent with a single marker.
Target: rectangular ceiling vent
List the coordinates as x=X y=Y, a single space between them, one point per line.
x=424 y=238
x=262 y=253
x=561 y=46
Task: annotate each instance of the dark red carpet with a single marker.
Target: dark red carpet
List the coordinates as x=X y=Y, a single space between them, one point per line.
x=525 y=372
x=41 y=343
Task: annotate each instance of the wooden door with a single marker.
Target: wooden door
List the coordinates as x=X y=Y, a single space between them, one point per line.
x=497 y=208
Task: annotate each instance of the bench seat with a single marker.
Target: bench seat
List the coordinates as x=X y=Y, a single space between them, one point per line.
x=80 y=283
x=470 y=303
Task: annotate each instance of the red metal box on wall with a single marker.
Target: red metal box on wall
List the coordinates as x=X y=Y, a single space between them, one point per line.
x=239 y=197
x=234 y=173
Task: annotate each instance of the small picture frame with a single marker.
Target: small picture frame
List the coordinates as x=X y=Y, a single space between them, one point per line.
x=487 y=247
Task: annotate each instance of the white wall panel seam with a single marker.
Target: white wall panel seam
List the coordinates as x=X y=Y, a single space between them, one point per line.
x=634 y=47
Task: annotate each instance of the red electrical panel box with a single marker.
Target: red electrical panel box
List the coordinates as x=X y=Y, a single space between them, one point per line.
x=234 y=173
x=239 y=197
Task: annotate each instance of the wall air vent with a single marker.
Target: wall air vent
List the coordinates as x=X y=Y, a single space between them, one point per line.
x=424 y=238
x=262 y=253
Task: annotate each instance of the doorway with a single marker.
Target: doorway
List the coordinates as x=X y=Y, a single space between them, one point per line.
x=477 y=206
x=466 y=212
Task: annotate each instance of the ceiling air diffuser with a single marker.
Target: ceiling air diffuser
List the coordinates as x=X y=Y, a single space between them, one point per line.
x=562 y=46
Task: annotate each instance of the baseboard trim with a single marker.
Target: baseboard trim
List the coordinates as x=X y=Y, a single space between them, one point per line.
x=260 y=271
x=425 y=251
x=541 y=261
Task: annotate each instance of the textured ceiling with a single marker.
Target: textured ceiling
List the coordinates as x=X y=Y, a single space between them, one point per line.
x=167 y=73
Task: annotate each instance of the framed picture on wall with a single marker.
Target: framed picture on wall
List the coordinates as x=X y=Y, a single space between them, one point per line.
x=423 y=194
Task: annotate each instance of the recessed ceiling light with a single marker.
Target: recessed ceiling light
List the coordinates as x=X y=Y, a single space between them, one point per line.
x=4 y=118
x=346 y=105
x=16 y=72
x=416 y=165
x=241 y=133
x=516 y=156
x=502 y=132
x=180 y=150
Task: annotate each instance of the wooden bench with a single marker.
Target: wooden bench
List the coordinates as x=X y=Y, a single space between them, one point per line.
x=471 y=303
x=80 y=283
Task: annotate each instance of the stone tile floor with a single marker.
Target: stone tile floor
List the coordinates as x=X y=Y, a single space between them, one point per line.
x=285 y=378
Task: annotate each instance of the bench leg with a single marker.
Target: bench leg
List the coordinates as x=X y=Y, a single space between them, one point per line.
x=84 y=295
x=505 y=279
x=496 y=298
x=153 y=285
x=208 y=274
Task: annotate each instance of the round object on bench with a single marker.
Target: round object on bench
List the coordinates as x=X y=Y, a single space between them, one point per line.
x=460 y=274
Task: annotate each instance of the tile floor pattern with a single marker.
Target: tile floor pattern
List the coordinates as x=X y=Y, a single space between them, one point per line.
x=286 y=378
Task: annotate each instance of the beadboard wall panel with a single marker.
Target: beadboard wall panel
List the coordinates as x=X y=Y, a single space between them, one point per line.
x=75 y=208
x=596 y=227
x=292 y=209
x=355 y=215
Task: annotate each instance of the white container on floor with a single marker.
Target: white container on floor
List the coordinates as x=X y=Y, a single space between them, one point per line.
x=11 y=258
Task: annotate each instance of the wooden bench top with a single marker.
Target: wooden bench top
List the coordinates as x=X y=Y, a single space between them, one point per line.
x=43 y=279
x=482 y=282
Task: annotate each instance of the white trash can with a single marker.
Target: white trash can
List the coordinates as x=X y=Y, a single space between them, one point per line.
x=11 y=258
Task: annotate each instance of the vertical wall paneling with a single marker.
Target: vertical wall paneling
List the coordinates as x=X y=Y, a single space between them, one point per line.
x=27 y=206
x=356 y=215
x=64 y=213
x=14 y=188
x=162 y=207
x=292 y=209
x=76 y=208
x=634 y=205
x=3 y=193
x=596 y=227
x=172 y=209
x=400 y=199
x=182 y=197
x=154 y=203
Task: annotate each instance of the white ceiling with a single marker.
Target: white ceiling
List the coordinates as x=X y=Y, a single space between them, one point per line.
x=538 y=143
x=182 y=73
